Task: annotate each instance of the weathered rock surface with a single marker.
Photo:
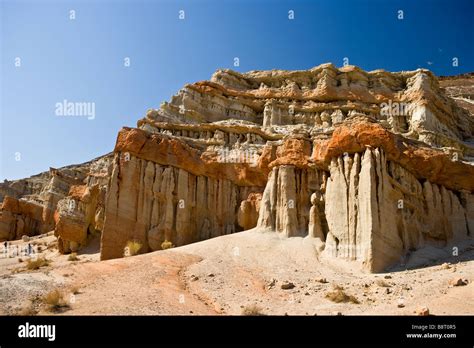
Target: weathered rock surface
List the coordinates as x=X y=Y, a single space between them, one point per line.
x=247 y=215
x=39 y=196
x=331 y=160
x=460 y=88
x=150 y=203
x=286 y=204
x=20 y=217
x=373 y=164
x=79 y=216
x=387 y=211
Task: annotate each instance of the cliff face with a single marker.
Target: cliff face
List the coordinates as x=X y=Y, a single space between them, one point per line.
x=153 y=203
x=36 y=205
x=373 y=164
x=29 y=204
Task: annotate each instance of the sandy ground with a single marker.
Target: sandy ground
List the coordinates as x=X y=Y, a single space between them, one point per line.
x=228 y=275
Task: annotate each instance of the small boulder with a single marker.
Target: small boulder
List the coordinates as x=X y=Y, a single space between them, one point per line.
x=287 y=286
x=445 y=266
x=458 y=282
x=422 y=311
x=272 y=283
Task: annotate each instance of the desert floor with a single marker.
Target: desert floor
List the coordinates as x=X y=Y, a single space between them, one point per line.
x=233 y=274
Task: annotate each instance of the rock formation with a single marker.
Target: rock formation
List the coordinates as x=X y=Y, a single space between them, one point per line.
x=31 y=205
x=371 y=164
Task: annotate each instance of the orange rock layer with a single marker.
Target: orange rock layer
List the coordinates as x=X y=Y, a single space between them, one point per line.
x=424 y=162
x=169 y=151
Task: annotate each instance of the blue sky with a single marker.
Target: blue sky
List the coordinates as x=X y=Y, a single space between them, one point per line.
x=82 y=60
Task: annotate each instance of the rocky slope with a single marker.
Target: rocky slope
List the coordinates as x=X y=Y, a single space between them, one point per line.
x=371 y=165
x=460 y=88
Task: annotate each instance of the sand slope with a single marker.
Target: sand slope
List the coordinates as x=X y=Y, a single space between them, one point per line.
x=224 y=275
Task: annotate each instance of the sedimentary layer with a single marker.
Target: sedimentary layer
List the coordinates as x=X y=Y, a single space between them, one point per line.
x=372 y=164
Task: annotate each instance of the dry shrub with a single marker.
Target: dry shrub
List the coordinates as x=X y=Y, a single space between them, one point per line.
x=33 y=264
x=133 y=247
x=382 y=283
x=74 y=289
x=55 y=300
x=252 y=310
x=339 y=296
x=167 y=245
x=27 y=311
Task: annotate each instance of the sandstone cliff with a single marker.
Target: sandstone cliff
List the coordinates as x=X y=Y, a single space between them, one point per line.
x=372 y=164
x=30 y=206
